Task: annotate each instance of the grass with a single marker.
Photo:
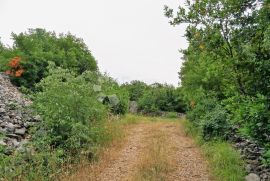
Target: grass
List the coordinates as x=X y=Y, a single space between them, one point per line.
x=225 y=162
x=155 y=164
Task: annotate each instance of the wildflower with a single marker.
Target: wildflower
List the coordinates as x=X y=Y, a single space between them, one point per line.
x=19 y=73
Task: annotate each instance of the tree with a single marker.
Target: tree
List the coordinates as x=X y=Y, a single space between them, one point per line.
x=136 y=89
x=228 y=57
x=37 y=47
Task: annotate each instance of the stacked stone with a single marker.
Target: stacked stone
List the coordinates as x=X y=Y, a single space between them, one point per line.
x=252 y=153
x=15 y=116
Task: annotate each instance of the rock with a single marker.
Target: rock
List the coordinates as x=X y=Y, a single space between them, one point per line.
x=248 y=168
x=113 y=99
x=20 y=131
x=3 y=124
x=15 y=115
x=10 y=127
x=2 y=110
x=18 y=137
x=252 y=177
x=3 y=143
x=18 y=117
x=252 y=153
x=3 y=130
x=6 y=118
x=37 y=118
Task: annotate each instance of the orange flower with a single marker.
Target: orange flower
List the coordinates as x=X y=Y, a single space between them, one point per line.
x=16 y=69
x=19 y=73
x=14 y=63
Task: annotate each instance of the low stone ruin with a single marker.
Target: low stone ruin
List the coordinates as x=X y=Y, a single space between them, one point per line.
x=15 y=116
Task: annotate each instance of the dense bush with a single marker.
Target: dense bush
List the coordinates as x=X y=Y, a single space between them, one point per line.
x=228 y=60
x=198 y=110
x=37 y=47
x=116 y=97
x=160 y=97
x=210 y=117
x=74 y=112
x=215 y=123
x=70 y=109
x=136 y=89
x=252 y=115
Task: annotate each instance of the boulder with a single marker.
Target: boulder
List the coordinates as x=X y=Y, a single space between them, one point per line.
x=252 y=177
x=20 y=131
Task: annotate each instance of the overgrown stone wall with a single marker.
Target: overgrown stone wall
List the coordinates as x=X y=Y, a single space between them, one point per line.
x=15 y=115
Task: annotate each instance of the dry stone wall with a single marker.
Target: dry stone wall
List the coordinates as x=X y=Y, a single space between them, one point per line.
x=15 y=116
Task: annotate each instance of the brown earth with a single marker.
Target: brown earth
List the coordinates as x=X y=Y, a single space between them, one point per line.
x=155 y=151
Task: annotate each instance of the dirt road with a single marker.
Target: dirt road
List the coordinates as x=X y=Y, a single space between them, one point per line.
x=152 y=150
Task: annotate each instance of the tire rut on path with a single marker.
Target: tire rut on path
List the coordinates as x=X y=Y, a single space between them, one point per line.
x=189 y=164
x=124 y=166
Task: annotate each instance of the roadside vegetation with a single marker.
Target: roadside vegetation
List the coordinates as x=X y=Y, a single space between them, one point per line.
x=155 y=98
x=224 y=87
x=73 y=99
x=225 y=73
x=225 y=163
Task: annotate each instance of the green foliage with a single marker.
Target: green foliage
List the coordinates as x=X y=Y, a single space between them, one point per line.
x=117 y=97
x=70 y=109
x=171 y=115
x=37 y=47
x=5 y=53
x=252 y=113
x=73 y=125
x=215 y=124
x=136 y=89
x=161 y=98
x=266 y=159
x=228 y=60
x=225 y=162
x=197 y=113
x=211 y=118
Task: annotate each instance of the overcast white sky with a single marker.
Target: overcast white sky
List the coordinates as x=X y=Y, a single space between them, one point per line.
x=131 y=39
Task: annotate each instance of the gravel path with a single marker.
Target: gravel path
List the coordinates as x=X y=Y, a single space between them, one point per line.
x=186 y=161
x=123 y=167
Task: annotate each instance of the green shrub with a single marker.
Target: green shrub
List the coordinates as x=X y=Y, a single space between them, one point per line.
x=215 y=123
x=72 y=127
x=161 y=97
x=37 y=47
x=252 y=114
x=70 y=109
x=114 y=96
x=147 y=103
x=136 y=89
x=197 y=113
x=266 y=158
